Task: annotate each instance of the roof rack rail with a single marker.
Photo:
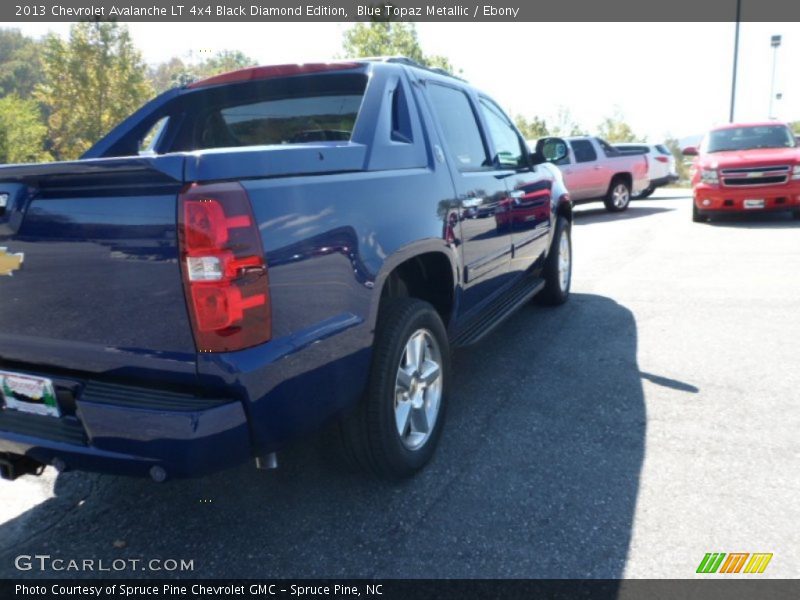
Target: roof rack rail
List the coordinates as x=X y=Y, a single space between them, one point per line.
x=410 y=62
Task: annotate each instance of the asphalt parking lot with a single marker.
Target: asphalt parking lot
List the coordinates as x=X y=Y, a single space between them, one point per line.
x=652 y=419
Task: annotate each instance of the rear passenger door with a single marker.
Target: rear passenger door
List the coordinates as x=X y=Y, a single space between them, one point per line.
x=584 y=177
x=526 y=212
x=481 y=189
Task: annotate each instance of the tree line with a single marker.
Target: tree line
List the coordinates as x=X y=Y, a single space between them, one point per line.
x=59 y=96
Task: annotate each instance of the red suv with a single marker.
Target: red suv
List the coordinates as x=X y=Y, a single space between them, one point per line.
x=750 y=167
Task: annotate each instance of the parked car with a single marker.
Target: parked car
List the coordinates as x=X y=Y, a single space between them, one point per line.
x=595 y=170
x=227 y=270
x=660 y=162
x=745 y=167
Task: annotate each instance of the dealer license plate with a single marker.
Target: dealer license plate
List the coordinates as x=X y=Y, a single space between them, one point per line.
x=754 y=203
x=29 y=394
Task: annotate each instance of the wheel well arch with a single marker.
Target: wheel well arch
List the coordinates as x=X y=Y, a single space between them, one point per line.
x=564 y=209
x=428 y=276
x=626 y=177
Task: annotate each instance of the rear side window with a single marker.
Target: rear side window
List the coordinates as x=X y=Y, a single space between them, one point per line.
x=459 y=127
x=506 y=141
x=584 y=151
x=663 y=150
x=608 y=149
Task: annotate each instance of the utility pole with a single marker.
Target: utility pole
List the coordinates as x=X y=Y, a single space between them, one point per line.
x=775 y=42
x=735 y=57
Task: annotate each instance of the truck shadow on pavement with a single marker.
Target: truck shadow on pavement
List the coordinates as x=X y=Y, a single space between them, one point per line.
x=537 y=475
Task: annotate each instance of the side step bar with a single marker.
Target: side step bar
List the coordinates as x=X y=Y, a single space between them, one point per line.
x=499 y=310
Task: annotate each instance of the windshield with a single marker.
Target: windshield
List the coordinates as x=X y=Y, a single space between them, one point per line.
x=748 y=138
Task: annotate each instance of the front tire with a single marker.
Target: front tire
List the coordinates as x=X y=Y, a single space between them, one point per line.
x=697 y=216
x=558 y=267
x=619 y=195
x=394 y=430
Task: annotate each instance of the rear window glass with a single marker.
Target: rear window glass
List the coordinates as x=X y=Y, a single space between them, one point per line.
x=291 y=110
x=283 y=121
x=633 y=149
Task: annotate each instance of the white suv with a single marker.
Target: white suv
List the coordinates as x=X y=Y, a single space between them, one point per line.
x=661 y=170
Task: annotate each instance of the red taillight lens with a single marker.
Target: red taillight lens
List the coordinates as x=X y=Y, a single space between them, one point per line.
x=224 y=272
x=662 y=159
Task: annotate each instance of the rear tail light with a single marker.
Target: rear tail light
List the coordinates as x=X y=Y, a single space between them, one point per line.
x=224 y=272
x=662 y=159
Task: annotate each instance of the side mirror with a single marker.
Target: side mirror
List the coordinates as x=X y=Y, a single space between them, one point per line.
x=549 y=149
x=689 y=151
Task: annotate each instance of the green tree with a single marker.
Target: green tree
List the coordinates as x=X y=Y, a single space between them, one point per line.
x=221 y=62
x=614 y=129
x=92 y=81
x=387 y=38
x=169 y=74
x=565 y=124
x=22 y=131
x=20 y=64
x=175 y=72
x=795 y=125
x=673 y=145
x=531 y=130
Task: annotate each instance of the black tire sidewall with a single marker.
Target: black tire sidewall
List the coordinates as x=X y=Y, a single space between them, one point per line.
x=408 y=315
x=552 y=293
x=609 y=201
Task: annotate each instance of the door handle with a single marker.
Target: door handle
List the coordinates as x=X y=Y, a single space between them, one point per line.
x=516 y=194
x=597 y=167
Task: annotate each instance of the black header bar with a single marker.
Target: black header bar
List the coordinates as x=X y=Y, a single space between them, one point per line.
x=403 y=10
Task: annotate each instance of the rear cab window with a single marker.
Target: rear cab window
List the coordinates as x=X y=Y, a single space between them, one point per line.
x=289 y=110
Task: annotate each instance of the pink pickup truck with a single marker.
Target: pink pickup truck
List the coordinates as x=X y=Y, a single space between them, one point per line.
x=595 y=170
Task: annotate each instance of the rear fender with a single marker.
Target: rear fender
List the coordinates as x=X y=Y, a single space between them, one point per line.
x=408 y=252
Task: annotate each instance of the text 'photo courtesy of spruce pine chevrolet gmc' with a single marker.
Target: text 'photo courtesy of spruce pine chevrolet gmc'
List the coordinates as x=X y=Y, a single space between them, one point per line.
x=257 y=255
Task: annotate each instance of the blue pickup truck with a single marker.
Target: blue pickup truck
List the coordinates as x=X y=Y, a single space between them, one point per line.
x=257 y=255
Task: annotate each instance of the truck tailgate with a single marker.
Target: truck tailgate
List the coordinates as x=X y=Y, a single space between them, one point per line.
x=93 y=281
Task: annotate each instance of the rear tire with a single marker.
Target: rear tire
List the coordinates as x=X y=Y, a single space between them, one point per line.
x=558 y=267
x=796 y=214
x=394 y=430
x=619 y=195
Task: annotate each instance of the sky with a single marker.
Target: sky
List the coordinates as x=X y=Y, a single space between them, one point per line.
x=663 y=78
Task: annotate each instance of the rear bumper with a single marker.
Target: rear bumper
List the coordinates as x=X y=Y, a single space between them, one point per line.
x=131 y=438
x=726 y=199
x=269 y=395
